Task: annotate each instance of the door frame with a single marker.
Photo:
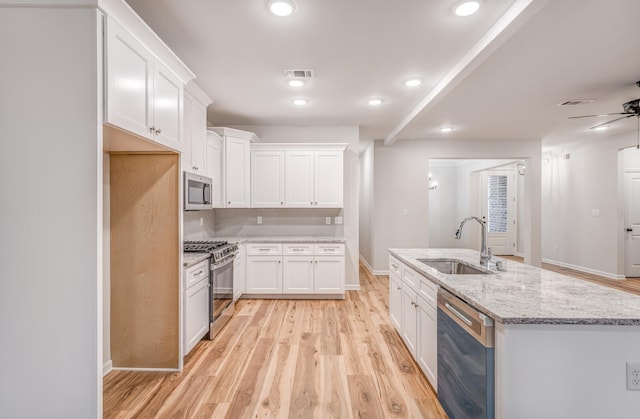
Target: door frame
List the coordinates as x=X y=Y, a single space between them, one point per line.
x=512 y=189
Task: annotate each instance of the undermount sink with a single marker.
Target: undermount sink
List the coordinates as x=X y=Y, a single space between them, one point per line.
x=454 y=267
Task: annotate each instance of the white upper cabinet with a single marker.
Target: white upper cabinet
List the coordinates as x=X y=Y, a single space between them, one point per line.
x=236 y=168
x=194 y=155
x=328 y=179
x=143 y=96
x=299 y=179
x=267 y=179
x=214 y=156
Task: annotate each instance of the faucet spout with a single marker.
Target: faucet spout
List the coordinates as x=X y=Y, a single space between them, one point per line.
x=485 y=253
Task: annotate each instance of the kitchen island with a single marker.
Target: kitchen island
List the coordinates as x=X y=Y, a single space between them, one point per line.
x=561 y=344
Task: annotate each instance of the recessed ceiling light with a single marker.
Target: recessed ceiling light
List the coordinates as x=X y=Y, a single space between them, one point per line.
x=466 y=8
x=600 y=128
x=300 y=102
x=281 y=7
x=446 y=129
x=296 y=83
x=413 y=82
x=375 y=102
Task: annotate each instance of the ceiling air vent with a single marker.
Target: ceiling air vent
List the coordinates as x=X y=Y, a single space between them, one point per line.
x=298 y=74
x=575 y=102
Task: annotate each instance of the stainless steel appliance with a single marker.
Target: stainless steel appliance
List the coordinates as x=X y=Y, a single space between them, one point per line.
x=465 y=359
x=221 y=280
x=197 y=192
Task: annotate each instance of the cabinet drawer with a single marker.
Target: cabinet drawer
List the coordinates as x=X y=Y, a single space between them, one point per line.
x=411 y=278
x=429 y=291
x=196 y=273
x=395 y=267
x=292 y=249
x=264 y=249
x=328 y=249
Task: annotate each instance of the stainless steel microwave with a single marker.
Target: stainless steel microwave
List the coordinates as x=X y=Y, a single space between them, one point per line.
x=197 y=192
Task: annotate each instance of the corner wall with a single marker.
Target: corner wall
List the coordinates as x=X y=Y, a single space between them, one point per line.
x=366 y=204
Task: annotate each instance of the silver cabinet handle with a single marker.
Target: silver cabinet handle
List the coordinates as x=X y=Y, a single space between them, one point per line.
x=281 y=202
x=394 y=266
x=198 y=273
x=279 y=261
x=316 y=203
x=458 y=314
x=263 y=249
x=158 y=131
x=399 y=288
x=151 y=129
x=229 y=203
x=311 y=202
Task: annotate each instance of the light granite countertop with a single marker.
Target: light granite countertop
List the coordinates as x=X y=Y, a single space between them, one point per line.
x=190 y=259
x=524 y=294
x=281 y=239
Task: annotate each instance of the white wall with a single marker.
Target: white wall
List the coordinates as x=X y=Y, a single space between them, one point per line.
x=442 y=214
x=328 y=134
x=591 y=179
x=50 y=183
x=366 y=203
x=400 y=183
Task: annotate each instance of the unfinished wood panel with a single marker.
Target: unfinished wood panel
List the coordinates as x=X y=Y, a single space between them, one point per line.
x=144 y=261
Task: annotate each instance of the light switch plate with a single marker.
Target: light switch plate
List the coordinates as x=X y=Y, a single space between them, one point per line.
x=405 y=212
x=201 y=221
x=328 y=220
x=338 y=220
x=259 y=219
x=595 y=212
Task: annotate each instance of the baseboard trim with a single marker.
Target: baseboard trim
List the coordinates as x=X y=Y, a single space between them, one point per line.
x=352 y=287
x=583 y=269
x=107 y=367
x=370 y=269
x=146 y=369
x=520 y=255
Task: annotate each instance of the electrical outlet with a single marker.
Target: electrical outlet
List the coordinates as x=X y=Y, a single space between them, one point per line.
x=328 y=220
x=338 y=220
x=633 y=375
x=259 y=219
x=201 y=221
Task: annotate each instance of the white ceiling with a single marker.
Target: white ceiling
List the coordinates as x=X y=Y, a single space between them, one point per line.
x=571 y=49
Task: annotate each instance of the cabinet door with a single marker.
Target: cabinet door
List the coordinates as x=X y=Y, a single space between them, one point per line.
x=129 y=82
x=214 y=156
x=196 y=310
x=264 y=274
x=328 y=179
x=167 y=107
x=395 y=301
x=299 y=179
x=328 y=274
x=267 y=179
x=239 y=277
x=195 y=139
x=427 y=349
x=297 y=274
x=237 y=169
x=409 y=319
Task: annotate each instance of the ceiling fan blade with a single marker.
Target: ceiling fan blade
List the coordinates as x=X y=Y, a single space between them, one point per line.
x=609 y=122
x=600 y=114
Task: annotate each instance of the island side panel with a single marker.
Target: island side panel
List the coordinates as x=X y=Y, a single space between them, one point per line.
x=565 y=371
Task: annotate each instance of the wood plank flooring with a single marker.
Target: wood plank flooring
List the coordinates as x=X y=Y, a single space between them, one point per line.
x=631 y=285
x=289 y=359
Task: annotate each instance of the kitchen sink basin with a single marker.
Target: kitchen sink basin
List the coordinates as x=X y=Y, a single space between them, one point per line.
x=454 y=267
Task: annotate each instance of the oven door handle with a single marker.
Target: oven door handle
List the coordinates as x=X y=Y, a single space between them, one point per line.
x=223 y=264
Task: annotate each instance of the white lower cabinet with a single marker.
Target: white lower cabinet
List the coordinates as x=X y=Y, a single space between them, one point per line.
x=295 y=268
x=395 y=301
x=196 y=305
x=264 y=274
x=413 y=311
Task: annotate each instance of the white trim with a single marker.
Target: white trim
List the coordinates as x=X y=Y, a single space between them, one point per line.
x=299 y=146
x=583 y=269
x=381 y=272
x=520 y=254
x=235 y=133
x=366 y=264
x=146 y=369
x=293 y=296
x=107 y=367
x=198 y=94
x=352 y=287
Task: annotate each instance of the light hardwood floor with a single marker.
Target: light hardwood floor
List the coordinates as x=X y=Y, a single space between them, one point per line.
x=289 y=359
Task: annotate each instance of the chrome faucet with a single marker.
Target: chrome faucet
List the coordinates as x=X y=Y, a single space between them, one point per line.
x=485 y=254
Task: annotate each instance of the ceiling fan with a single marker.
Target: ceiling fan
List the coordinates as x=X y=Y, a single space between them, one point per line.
x=631 y=108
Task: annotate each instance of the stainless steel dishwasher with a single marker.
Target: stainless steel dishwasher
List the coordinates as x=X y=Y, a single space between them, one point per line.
x=465 y=359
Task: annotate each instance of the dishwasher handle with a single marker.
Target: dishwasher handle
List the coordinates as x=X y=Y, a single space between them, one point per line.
x=472 y=321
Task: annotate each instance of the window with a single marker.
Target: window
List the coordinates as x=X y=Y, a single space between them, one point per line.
x=497 y=199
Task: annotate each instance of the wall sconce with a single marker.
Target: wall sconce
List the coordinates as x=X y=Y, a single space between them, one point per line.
x=521 y=169
x=433 y=184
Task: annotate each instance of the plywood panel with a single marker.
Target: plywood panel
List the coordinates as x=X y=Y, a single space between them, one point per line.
x=144 y=261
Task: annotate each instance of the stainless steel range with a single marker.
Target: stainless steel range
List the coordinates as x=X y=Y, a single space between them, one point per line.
x=221 y=279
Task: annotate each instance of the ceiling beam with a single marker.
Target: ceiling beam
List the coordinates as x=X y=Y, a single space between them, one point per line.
x=508 y=24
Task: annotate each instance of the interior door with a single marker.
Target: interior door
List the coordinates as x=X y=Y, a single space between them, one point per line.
x=499 y=210
x=632 y=224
